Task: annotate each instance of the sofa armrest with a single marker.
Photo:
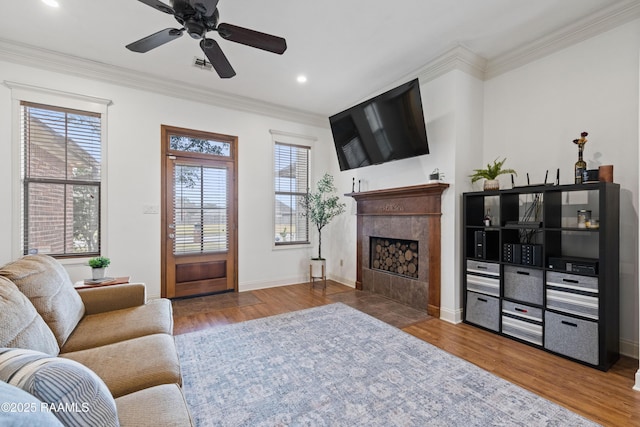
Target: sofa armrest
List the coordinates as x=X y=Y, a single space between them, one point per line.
x=115 y=297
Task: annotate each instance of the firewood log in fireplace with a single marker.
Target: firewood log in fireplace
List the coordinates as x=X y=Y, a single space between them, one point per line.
x=395 y=256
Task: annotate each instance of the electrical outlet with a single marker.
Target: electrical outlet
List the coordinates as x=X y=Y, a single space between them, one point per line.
x=341 y=263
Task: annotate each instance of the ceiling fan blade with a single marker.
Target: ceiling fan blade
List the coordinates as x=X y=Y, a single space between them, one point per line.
x=155 y=40
x=253 y=38
x=156 y=4
x=206 y=7
x=218 y=60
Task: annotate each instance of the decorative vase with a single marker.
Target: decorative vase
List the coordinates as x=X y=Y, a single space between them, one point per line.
x=491 y=184
x=580 y=166
x=97 y=273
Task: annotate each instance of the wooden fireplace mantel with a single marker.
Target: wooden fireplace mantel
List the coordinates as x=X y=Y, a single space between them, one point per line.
x=413 y=190
x=417 y=200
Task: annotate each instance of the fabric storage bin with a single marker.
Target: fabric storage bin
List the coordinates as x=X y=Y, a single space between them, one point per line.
x=521 y=310
x=573 y=294
x=485 y=285
x=523 y=284
x=484 y=268
x=571 y=337
x=483 y=310
x=522 y=321
x=572 y=303
x=483 y=277
x=572 y=282
x=526 y=331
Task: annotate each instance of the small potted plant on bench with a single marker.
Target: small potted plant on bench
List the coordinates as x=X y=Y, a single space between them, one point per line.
x=98 y=264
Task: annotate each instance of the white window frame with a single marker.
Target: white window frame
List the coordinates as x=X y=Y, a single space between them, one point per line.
x=291 y=139
x=38 y=95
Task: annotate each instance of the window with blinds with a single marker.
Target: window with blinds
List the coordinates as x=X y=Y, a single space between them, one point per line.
x=61 y=175
x=200 y=209
x=291 y=184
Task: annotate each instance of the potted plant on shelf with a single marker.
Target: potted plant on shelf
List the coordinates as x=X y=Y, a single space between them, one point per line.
x=321 y=206
x=98 y=264
x=490 y=174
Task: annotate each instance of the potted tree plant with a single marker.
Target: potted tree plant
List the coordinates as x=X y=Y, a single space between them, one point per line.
x=490 y=174
x=321 y=206
x=98 y=264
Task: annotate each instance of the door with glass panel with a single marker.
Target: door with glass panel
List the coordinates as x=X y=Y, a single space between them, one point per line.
x=199 y=235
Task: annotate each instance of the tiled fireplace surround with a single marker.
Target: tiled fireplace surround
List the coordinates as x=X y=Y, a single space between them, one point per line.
x=407 y=213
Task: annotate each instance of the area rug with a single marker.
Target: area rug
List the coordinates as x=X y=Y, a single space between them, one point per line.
x=336 y=366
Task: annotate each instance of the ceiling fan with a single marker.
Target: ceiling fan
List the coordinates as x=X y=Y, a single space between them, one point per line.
x=197 y=18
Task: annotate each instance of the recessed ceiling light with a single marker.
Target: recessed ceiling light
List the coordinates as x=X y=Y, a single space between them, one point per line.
x=302 y=78
x=51 y=3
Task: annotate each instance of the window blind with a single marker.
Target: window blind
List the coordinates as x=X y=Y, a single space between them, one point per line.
x=62 y=162
x=291 y=184
x=200 y=209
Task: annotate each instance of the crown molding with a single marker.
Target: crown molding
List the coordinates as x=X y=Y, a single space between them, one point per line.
x=594 y=24
x=457 y=58
x=24 y=54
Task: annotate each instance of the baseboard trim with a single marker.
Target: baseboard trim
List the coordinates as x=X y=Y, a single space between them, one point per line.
x=630 y=349
x=265 y=284
x=342 y=280
x=451 y=316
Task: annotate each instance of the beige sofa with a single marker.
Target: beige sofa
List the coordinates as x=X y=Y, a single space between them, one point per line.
x=113 y=331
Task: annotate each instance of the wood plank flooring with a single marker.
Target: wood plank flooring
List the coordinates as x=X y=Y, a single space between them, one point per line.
x=604 y=397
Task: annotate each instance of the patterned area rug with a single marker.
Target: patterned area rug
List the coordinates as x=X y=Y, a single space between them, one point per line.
x=336 y=366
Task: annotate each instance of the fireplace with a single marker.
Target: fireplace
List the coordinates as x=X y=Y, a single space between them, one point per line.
x=395 y=256
x=411 y=215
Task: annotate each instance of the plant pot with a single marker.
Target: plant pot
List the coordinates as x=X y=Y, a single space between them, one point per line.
x=491 y=184
x=318 y=268
x=97 y=273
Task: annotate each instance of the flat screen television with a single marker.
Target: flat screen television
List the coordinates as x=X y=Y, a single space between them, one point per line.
x=387 y=127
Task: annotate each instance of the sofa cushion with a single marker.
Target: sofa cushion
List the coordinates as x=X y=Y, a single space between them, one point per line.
x=162 y=405
x=154 y=317
x=47 y=285
x=22 y=326
x=133 y=365
x=74 y=394
x=23 y=410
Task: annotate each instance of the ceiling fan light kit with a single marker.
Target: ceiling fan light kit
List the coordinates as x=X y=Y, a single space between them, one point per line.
x=197 y=18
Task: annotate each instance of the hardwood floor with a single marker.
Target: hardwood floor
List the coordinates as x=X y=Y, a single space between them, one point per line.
x=604 y=397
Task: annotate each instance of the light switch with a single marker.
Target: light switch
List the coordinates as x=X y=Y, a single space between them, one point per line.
x=150 y=209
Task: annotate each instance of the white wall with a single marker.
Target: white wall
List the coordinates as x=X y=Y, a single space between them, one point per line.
x=453 y=112
x=530 y=115
x=133 y=177
x=533 y=113
x=341 y=234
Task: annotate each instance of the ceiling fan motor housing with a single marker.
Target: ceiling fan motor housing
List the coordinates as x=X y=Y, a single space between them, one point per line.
x=195 y=29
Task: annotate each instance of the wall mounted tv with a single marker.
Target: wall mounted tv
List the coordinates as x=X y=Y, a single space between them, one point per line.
x=387 y=127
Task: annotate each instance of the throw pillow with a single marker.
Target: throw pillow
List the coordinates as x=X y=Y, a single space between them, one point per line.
x=71 y=391
x=47 y=285
x=20 y=409
x=22 y=326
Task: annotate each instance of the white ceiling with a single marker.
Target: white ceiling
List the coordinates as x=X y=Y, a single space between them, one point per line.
x=348 y=49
